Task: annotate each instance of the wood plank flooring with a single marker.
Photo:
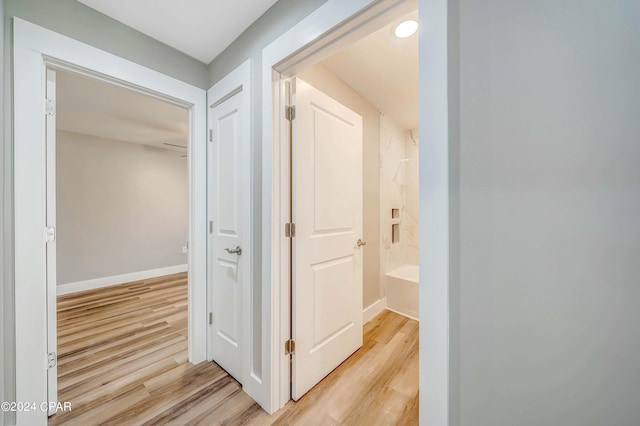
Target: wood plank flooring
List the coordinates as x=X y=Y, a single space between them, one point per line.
x=123 y=361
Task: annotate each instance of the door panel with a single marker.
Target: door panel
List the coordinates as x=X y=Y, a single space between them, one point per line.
x=228 y=163
x=225 y=140
x=333 y=203
x=327 y=204
x=331 y=315
x=228 y=285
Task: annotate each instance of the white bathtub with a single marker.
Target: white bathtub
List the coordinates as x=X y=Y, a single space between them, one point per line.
x=401 y=289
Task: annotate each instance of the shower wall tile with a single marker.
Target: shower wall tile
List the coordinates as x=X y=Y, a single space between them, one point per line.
x=392 y=187
x=398 y=190
x=410 y=222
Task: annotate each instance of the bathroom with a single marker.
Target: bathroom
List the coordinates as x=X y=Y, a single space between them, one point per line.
x=383 y=71
x=399 y=216
x=377 y=77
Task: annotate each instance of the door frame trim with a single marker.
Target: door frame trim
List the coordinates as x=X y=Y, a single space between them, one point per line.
x=323 y=32
x=34 y=49
x=238 y=82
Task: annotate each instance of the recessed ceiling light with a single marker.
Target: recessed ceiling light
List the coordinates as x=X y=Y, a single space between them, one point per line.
x=406 y=29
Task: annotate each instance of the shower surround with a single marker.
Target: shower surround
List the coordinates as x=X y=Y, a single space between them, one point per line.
x=398 y=213
x=398 y=190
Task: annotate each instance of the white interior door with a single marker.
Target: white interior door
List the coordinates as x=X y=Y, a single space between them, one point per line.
x=229 y=214
x=327 y=259
x=52 y=323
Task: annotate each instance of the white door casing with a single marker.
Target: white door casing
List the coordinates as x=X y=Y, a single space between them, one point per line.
x=52 y=323
x=333 y=25
x=33 y=48
x=327 y=205
x=229 y=234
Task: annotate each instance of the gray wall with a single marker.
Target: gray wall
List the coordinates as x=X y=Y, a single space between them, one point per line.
x=549 y=203
x=271 y=25
x=74 y=19
x=121 y=208
x=324 y=80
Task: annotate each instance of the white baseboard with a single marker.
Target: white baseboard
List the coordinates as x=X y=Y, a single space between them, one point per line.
x=374 y=309
x=410 y=315
x=119 y=279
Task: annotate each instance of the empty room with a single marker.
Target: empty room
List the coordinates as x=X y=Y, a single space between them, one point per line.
x=117 y=214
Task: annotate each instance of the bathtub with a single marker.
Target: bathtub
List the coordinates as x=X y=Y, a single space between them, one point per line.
x=401 y=289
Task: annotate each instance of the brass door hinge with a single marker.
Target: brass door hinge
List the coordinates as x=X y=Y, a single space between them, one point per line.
x=290 y=347
x=289 y=230
x=290 y=112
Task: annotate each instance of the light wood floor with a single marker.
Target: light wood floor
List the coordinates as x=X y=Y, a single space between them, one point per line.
x=123 y=361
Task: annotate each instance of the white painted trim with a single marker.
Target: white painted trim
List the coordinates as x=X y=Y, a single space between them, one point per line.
x=434 y=212
x=33 y=47
x=331 y=19
x=372 y=311
x=95 y=283
x=239 y=81
x=281 y=242
x=378 y=307
x=434 y=238
x=404 y=314
x=51 y=247
x=326 y=17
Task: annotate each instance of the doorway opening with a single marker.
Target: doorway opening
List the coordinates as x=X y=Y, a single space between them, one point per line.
x=117 y=214
x=347 y=123
x=35 y=50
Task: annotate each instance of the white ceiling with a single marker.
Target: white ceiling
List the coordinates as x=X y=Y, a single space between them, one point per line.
x=200 y=28
x=92 y=107
x=384 y=70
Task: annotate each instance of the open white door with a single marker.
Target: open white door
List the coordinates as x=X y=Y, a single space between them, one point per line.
x=229 y=227
x=327 y=254
x=52 y=323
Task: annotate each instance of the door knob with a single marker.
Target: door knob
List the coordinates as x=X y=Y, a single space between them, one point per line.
x=361 y=243
x=237 y=250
